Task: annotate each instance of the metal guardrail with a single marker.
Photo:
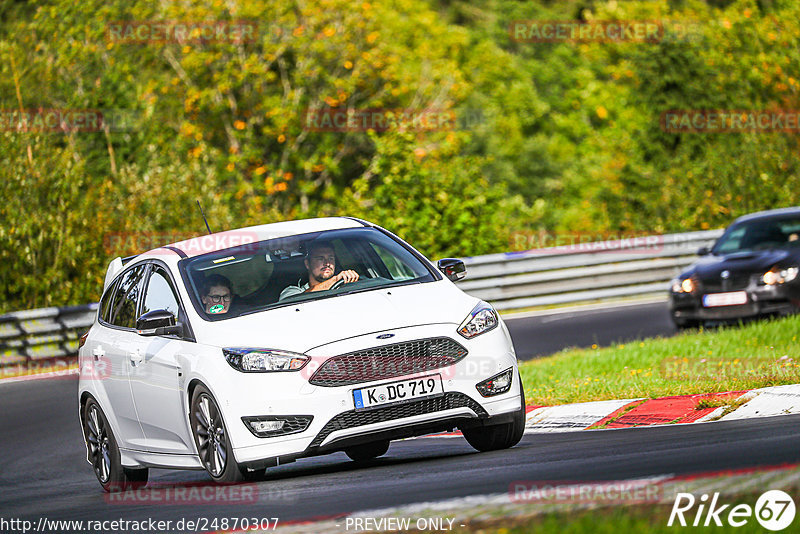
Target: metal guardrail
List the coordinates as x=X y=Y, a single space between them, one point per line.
x=579 y=272
x=30 y=338
x=556 y=275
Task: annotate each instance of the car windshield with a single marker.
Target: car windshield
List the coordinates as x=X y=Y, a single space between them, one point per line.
x=272 y=273
x=760 y=234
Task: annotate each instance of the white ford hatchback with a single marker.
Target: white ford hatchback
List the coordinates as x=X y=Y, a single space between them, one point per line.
x=246 y=349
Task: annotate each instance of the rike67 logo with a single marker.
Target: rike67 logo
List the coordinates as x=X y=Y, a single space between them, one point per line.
x=774 y=510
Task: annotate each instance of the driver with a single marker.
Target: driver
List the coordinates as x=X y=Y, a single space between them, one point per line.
x=321 y=264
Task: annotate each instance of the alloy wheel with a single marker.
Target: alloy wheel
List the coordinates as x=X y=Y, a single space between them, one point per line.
x=99 y=447
x=212 y=441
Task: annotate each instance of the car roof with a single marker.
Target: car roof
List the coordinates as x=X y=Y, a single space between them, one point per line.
x=204 y=244
x=769 y=214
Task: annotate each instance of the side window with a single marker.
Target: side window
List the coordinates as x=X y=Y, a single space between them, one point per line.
x=105 y=302
x=733 y=241
x=123 y=308
x=160 y=295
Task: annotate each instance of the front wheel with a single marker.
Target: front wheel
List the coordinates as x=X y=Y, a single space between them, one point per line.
x=212 y=438
x=503 y=436
x=104 y=452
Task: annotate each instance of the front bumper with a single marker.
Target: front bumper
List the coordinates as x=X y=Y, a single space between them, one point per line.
x=761 y=301
x=337 y=424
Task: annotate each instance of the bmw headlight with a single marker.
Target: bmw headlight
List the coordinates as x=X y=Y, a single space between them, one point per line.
x=683 y=286
x=481 y=319
x=251 y=360
x=777 y=275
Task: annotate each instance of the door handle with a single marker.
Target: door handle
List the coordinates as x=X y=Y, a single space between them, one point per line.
x=136 y=357
x=98 y=352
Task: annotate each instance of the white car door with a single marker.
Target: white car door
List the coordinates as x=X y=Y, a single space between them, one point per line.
x=157 y=379
x=110 y=351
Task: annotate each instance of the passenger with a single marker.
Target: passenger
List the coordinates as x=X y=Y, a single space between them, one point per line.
x=320 y=262
x=217 y=294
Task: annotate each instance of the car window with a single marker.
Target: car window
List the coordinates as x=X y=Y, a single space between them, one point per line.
x=123 y=308
x=160 y=294
x=259 y=274
x=730 y=243
x=105 y=302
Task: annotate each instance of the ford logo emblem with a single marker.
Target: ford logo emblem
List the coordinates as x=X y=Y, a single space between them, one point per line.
x=385 y=336
x=725 y=275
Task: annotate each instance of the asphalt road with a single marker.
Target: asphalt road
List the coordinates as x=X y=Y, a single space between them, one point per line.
x=43 y=472
x=540 y=335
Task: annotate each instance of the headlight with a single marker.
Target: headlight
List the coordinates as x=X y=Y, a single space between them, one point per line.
x=683 y=286
x=779 y=276
x=481 y=319
x=264 y=360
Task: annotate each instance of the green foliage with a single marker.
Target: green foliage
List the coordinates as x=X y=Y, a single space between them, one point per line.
x=439 y=200
x=554 y=137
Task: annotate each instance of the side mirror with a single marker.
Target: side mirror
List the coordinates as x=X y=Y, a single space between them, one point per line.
x=158 y=323
x=454 y=269
x=703 y=251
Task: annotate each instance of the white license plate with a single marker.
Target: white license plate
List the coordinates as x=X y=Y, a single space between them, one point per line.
x=401 y=390
x=734 y=298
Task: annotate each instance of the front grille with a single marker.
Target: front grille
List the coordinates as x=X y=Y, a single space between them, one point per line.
x=292 y=424
x=736 y=282
x=388 y=361
x=356 y=418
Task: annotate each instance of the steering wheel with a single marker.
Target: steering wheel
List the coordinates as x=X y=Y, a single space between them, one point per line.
x=336 y=285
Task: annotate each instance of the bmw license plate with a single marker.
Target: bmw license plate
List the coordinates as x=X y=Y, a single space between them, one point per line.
x=734 y=298
x=401 y=390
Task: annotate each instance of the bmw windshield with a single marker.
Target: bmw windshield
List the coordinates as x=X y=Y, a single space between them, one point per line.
x=300 y=268
x=760 y=234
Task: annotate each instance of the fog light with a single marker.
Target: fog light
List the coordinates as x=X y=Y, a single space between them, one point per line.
x=265 y=426
x=499 y=383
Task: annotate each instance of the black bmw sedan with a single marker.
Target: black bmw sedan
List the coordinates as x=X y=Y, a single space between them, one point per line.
x=751 y=271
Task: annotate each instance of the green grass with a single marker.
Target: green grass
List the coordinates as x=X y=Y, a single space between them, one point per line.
x=639 y=519
x=759 y=354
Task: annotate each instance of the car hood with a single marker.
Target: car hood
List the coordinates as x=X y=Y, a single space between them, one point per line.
x=304 y=326
x=755 y=261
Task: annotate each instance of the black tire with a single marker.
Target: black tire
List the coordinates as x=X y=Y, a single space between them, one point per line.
x=686 y=324
x=502 y=436
x=212 y=438
x=104 y=452
x=367 y=451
